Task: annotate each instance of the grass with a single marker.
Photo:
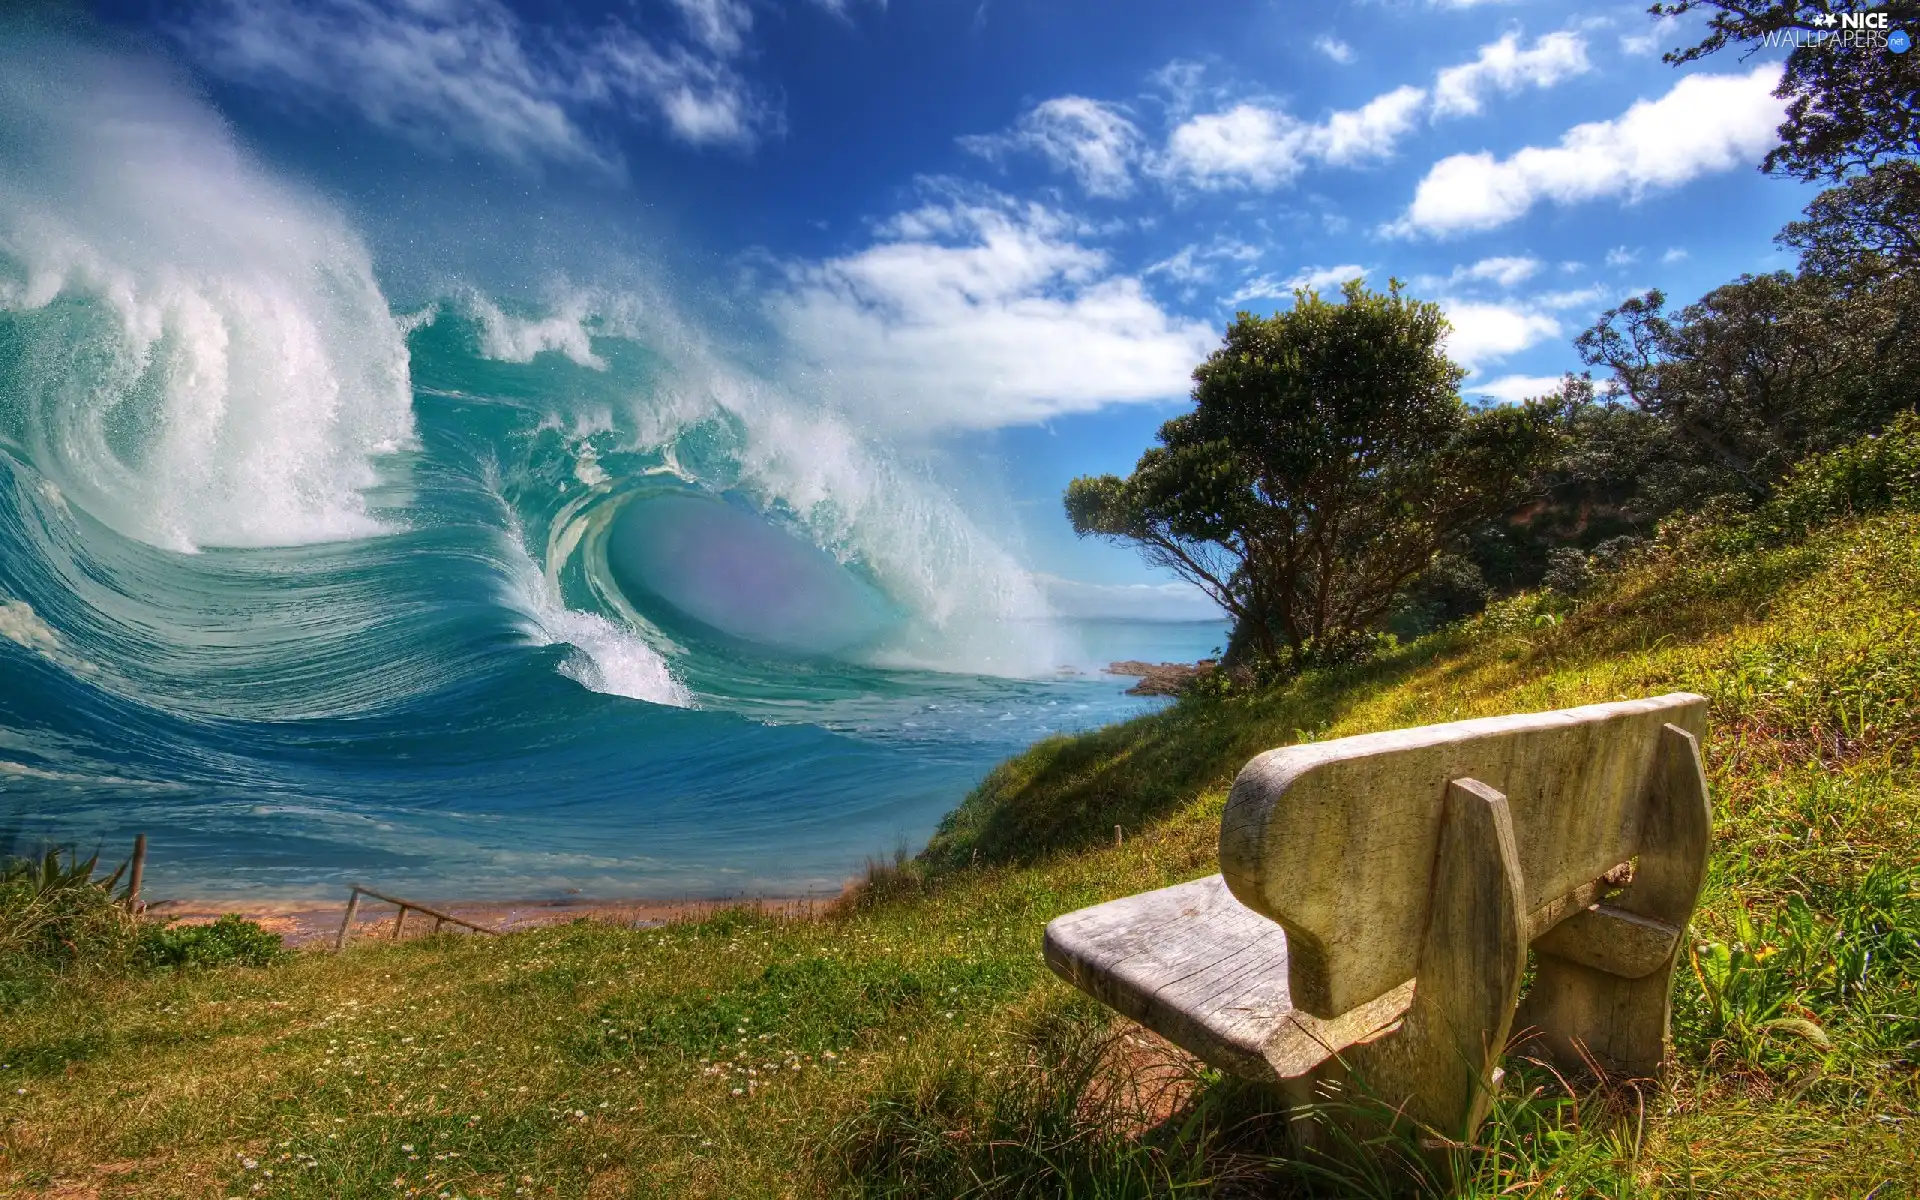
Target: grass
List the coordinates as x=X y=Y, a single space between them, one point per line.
x=912 y=1044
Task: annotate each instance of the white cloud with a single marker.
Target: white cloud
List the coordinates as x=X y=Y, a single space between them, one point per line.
x=1272 y=287
x=1673 y=255
x=1585 y=297
x=1257 y=287
x=1507 y=271
x=1512 y=389
x=979 y=312
x=1182 y=266
x=1484 y=332
x=1124 y=601
x=1319 y=278
x=1247 y=144
x=1503 y=66
x=1191 y=266
x=1179 y=81
x=703 y=101
x=1704 y=123
x=1652 y=41
x=1369 y=131
x=1093 y=141
x=472 y=73
x=1623 y=256
x=1255 y=146
x=719 y=25
x=1334 y=48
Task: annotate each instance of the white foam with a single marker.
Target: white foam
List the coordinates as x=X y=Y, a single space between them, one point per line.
x=607 y=657
x=22 y=626
x=974 y=607
x=613 y=660
x=240 y=367
x=564 y=330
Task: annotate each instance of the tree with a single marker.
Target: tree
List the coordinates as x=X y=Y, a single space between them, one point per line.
x=1867 y=227
x=1327 y=460
x=1761 y=372
x=1848 y=108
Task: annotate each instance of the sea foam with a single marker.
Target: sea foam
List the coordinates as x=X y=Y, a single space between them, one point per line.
x=242 y=369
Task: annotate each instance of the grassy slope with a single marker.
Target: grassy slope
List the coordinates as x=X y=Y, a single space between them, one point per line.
x=916 y=1044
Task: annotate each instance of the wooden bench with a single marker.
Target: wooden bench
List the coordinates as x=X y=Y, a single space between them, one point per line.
x=1378 y=895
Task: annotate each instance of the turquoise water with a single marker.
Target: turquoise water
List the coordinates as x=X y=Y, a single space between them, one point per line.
x=453 y=596
x=653 y=683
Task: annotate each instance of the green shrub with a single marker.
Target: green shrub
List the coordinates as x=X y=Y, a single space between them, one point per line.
x=1876 y=473
x=54 y=913
x=229 y=941
x=1770 y=991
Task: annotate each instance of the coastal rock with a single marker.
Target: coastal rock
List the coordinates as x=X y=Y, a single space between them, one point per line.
x=1162 y=679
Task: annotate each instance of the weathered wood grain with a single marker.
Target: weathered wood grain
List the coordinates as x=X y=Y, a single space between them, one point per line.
x=1439 y=1069
x=1198 y=967
x=1612 y=940
x=1587 y=1011
x=1336 y=840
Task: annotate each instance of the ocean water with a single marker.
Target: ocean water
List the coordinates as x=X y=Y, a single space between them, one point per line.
x=459 y=597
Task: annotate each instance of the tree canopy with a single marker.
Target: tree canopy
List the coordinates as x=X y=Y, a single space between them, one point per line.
x=1848 y=108
x=1327 y=460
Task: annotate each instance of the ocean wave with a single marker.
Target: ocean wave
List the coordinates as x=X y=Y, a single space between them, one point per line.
x=467 y=589
x=203 y=355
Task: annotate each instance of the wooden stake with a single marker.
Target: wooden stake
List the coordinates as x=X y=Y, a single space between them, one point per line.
x=346 y=922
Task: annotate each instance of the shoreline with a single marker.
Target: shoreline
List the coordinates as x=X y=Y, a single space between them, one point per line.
x=303 y=923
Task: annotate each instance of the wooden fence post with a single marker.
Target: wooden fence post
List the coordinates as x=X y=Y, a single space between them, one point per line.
x=346 y=923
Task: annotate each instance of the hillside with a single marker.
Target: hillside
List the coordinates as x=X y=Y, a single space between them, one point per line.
x=914 y=1044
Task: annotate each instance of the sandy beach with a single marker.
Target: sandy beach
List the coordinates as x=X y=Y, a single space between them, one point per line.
x=312 y=922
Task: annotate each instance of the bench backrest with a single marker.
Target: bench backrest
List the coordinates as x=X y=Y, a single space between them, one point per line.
x=1336 y=840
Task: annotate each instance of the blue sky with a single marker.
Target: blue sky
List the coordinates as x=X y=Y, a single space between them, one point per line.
x=1003 y=231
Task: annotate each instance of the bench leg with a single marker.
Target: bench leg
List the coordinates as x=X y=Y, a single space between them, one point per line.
x=1441 y=1068
x=1587 y=1017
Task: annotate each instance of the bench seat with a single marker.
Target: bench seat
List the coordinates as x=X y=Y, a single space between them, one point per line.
x=1209 y=974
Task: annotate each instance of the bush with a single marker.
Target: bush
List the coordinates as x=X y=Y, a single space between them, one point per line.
x=58 y=920
x=1568 y=571
x=54 y=913
x=1876 y=473
x=229 y=941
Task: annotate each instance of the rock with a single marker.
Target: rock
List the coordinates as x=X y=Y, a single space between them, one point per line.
x=1162 y=679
